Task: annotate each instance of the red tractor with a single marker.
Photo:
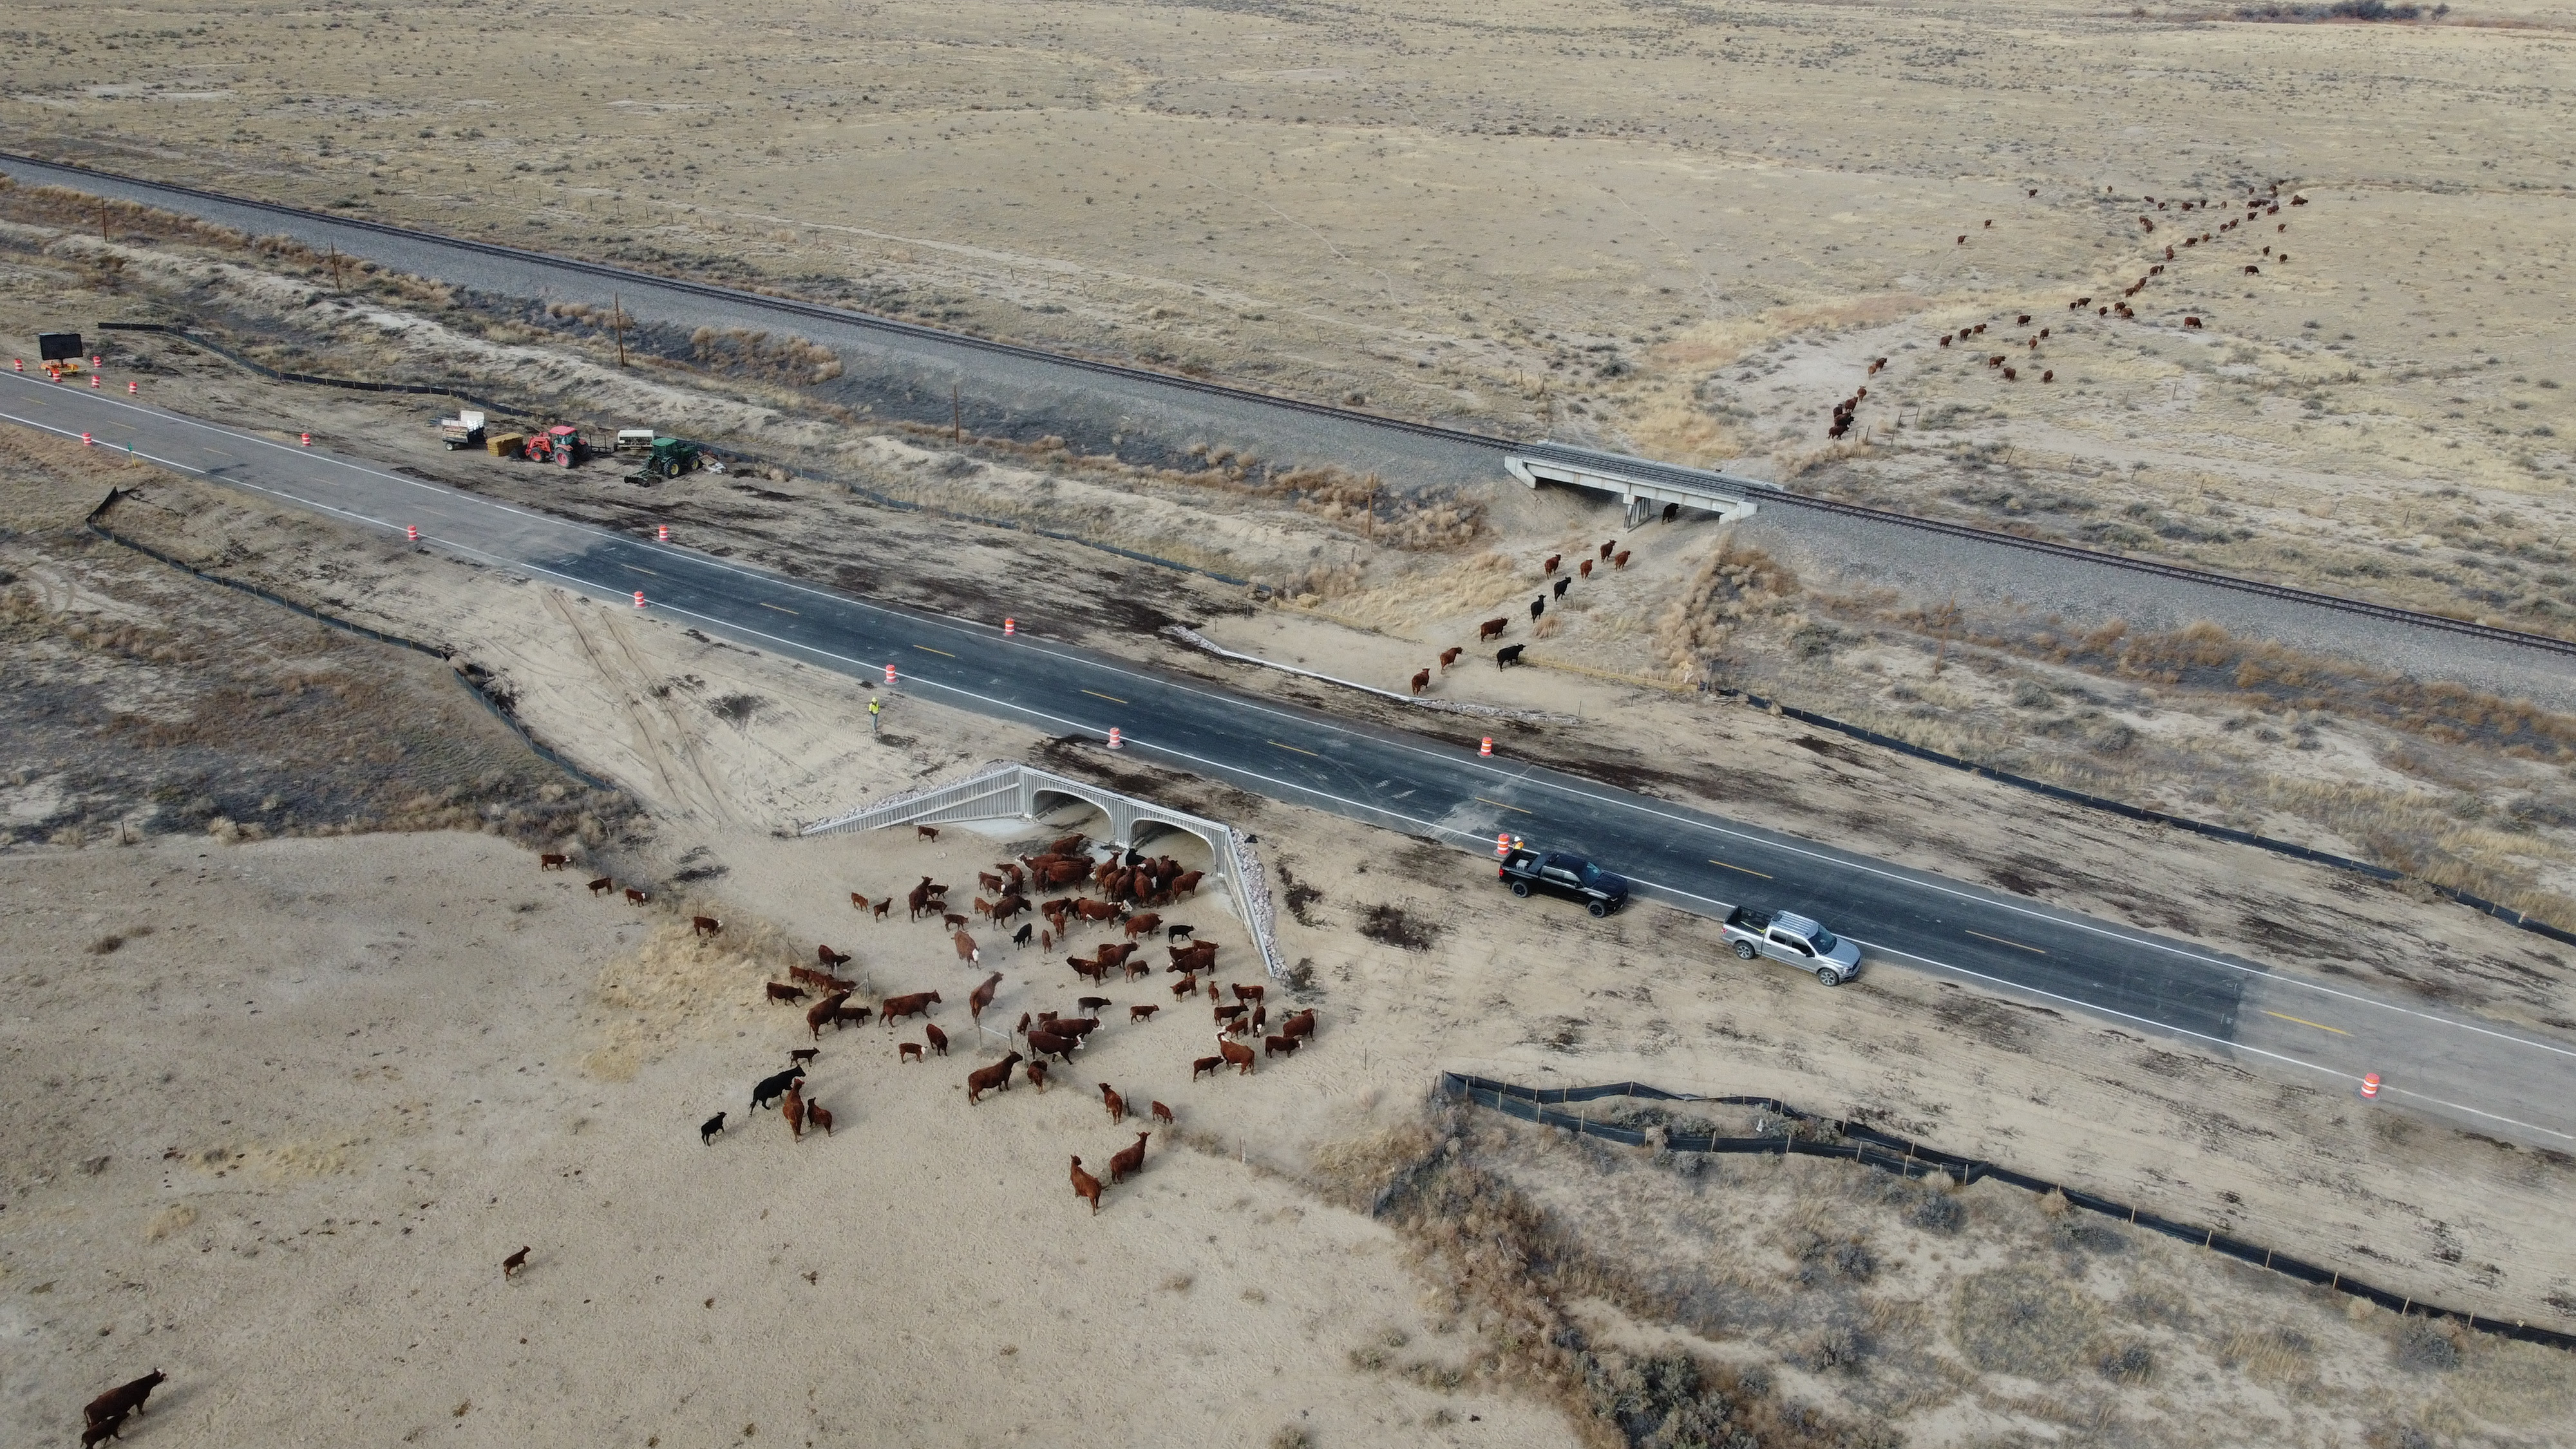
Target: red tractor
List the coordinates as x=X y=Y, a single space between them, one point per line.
x=559 y=445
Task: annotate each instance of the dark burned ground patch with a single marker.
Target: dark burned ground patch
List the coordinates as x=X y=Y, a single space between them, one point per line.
x=1394 y=926
x=1297 y=895
x=1995 y=1022
x=223 y=713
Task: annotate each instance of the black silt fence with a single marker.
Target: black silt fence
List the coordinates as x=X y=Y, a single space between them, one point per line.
x=728 y=455
x=96 y=523
x=1806 y=1135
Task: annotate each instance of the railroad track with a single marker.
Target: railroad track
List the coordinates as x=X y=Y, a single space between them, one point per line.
x=1346 y=415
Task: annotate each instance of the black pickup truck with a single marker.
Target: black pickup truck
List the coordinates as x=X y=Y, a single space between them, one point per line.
x=1571 y=876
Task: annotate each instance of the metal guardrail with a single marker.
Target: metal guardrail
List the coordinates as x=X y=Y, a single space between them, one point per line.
x=1238 y=392
x=1859 y=1143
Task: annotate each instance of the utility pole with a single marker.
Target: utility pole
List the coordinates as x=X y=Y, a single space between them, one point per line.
x=617 y=320
x=335 y=269
x=1369 y=529
x=956 y=416
x=102 y=220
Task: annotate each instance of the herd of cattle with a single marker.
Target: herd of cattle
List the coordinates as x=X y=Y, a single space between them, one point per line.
x=1510 y=654
x=1129 y=891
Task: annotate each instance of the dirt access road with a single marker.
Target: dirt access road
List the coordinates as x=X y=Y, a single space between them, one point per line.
x=2482 y=1075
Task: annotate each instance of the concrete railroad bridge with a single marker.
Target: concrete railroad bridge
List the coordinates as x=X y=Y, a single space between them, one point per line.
x=1641 y=483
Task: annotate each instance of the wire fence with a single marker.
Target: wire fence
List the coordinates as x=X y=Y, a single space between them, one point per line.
x=96 y=523
x=2292 y=849
x=1806 y=1135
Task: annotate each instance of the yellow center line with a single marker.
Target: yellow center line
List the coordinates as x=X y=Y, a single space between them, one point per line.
x=1738 y=867
x=1274 y=744
x=2000 y=941
x=1096 y=694
x=645 y=571
x=779 y=607
x=926 y=649
x=1499 y=805
x=2303 y=1021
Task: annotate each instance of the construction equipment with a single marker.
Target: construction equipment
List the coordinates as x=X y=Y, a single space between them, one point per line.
x=465 y=430
x=669 y=458
x=559 y=445
x=634 y=440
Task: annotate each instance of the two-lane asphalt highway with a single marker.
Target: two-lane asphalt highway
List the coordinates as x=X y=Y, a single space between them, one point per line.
x=2505 y=1081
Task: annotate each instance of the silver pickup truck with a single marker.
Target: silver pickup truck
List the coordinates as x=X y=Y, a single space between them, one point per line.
x=1794 y=939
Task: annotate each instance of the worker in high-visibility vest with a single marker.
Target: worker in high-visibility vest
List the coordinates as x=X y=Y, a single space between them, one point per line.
x=876 y=710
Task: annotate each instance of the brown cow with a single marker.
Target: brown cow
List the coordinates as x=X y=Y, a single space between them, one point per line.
x=1619 y=560
x=1044 y=1043
x=1074 y=1026
x=830 y=957
x=792 y=1107
x=1187 y=882
x=909 y=1051
x=815 y=1116
x=1205 y=1066
x=1302 y=1024
x=781 y=991
x=1129 y=1161
x=553 y=862
x=1550 y=566
x=1260 y=1014
x=1037 y=1076
x=704 y=925
x=1007 y=907
x=635 y=897
x=858 y=902
x=1279 y=1046
x=938 y=1038
x=1491 y=628
x=1089 y=1005
x=1237 y=1055
x=2191 y=322
x=1116 y=1104
x=603 y=885
x=1086 y=1187
x=1226 y=1014
x=983 y=996
x=1162 y=1113
x=896 y=1008
x=924 y=832
x=1187 y=986
x=803 y=1056
x=989 y=881
x=1421 y=680
x=822 y=1011
x=850 y=1016
x=1142 y=1013
x=511 y=1265
x=1097 y=971
x=1605 y=548
x=966 y=948
x=1584 y=569
x=992 y=1078
x=1249 y=993
x=1450 y=655
x=1144 y=925
x=1098 y=910
x=1196 y=956
x=805 y=976
x=1069 y=844
x=953 y=921
x=879 y=909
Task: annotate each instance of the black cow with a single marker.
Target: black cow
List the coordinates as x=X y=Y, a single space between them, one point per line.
x=772 y=1088
x=1537 y=607
x=1561 y=583
x=1509 y=655
x=708 y=1129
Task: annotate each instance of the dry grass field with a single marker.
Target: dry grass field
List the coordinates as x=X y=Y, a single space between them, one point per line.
x=1689 y=229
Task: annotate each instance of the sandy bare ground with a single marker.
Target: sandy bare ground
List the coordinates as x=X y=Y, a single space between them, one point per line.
x=975 y=1282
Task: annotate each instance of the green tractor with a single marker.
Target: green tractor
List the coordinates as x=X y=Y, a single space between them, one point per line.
x=669 y=458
